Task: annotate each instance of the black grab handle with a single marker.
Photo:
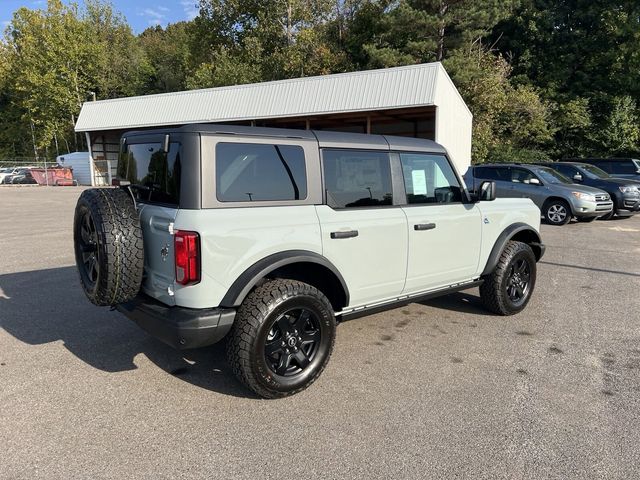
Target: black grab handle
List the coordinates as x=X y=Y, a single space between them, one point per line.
x=348 y=234
x=424 y=226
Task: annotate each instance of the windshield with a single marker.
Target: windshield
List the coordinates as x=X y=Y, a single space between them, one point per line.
x=593 y=172
x=549 y=175
x=637 y=163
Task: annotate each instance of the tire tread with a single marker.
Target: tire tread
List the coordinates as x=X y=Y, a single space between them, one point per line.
x=492 y=295
x=250 y=317
x=120 y=243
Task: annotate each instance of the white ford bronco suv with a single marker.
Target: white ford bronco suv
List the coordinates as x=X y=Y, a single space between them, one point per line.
x=268 y=237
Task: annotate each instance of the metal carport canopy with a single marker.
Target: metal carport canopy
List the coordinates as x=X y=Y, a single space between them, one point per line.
x=384 y=89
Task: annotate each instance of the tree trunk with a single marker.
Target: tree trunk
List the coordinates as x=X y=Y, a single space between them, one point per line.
x=441 y=30
x=289 y=22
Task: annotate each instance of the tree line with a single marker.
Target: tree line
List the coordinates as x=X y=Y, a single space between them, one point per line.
x=544 y=79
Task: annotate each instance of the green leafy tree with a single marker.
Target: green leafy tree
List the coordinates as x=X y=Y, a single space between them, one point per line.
x=251 y=40
x=167 y=51
x=510 y=123
x=14 y=138
x=122 y=65
x=55 y=58
x=620 y=134
x=571 y=119
x=585 y=56
x=414 y=31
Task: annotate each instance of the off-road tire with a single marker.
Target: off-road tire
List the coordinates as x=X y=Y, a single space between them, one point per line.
x=586 y=219
x=558 y=204
x=116 y=243
x=493 y=291
x=255 y=319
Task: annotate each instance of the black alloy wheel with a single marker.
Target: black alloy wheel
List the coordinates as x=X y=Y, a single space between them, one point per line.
x=508 y=289
x=517 y=284
x=292 y=342
x=87 y=246
x=282 y=337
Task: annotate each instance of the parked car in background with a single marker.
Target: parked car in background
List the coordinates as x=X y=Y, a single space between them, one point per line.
x=7 y=173
x=625 y=193
x=22 y=176
x=616 y=167
x=555 y=195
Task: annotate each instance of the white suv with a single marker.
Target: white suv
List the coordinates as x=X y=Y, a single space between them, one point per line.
x=268 y=237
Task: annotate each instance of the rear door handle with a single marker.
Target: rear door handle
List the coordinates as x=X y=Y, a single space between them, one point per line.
x=424 y=226
x=347 y=234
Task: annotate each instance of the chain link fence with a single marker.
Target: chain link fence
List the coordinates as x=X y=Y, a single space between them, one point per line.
x=25 y=162
x=33 y=171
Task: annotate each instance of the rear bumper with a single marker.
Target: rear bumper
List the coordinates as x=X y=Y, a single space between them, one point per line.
x=179 y=327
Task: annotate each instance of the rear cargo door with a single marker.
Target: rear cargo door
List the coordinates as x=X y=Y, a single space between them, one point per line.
x=152 y=166
x=159 y=264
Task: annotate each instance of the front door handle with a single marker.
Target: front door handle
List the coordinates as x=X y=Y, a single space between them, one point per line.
x=424 y=226
x=347 y=234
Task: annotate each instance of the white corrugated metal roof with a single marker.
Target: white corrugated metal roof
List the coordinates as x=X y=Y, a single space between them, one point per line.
x=388 y=88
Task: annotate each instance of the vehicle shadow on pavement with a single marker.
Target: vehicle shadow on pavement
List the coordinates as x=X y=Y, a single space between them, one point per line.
x=463 y=302
x=46 y=306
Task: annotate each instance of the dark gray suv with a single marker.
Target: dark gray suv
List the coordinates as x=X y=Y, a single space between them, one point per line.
x=557 y=197
x=628 y=168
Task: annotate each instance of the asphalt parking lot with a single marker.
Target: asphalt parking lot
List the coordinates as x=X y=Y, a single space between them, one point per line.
x=434 y=390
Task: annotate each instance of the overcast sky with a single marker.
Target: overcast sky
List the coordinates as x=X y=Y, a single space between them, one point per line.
x=139 y=13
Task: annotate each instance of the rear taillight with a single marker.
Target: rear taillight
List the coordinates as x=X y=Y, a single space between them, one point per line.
x=187 y=250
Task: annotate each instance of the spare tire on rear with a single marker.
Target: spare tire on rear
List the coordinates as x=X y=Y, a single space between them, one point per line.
x=108 y=245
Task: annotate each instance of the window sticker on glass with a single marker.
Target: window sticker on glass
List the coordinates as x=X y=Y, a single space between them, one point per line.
x=419 y=180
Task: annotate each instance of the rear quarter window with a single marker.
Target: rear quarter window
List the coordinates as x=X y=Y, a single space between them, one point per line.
x=252 y=172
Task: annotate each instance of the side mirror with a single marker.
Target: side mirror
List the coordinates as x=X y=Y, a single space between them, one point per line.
x=534 y=181
x=487 y=191
x=577 y=177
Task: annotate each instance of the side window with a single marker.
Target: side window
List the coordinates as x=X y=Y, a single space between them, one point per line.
x=625 y=167
x=566 y=170
x=520 y=175
x=354 y=178
x=155 y=172
x=493 y=173
x=252 y=172
x=429 y=179
x=606 y=166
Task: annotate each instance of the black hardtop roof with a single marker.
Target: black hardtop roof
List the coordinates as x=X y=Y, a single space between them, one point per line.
x=325 y=138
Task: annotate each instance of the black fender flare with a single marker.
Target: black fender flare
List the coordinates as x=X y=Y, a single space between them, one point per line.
x=507 y=234
x=241 y=287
